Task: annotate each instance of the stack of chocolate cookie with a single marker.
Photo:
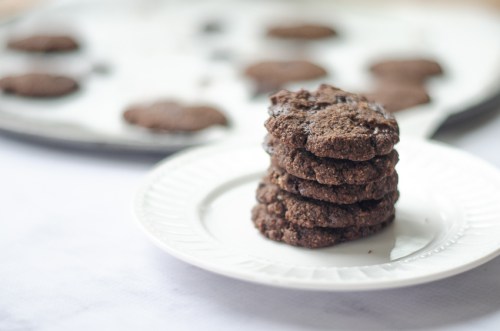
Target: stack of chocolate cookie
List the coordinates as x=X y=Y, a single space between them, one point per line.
x=332 y=176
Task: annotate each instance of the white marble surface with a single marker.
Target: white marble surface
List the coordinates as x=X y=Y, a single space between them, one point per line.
x=71 y=258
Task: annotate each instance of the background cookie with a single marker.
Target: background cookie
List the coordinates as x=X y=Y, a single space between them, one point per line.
x=332 y=123
x=173 y=117
x=408 y=70
x=395 y=97
x=44 y=44
x=301 y=31
x=339 y=194
x=300 y=163
x=278 y=229
x=313 y=213
x=38 y=85
x=270 y=76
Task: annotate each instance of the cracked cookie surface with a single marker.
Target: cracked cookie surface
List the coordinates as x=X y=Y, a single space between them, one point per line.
x=332 y=123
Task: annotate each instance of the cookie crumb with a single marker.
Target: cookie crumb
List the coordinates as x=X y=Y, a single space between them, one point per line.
x=212 y=27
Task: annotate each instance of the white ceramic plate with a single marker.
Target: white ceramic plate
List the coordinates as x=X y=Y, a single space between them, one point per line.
x=196 y=206
x=155 y=50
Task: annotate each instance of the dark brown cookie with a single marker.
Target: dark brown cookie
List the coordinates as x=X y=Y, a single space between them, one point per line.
x=38 y=85
x=278 y=229
x=313 y=213
x=395 y=97
x=301 y=31
x=272 y=75
x=332 y=123
x=410 y=70
x=173 y=117
x=305 y=165
x=44 y=44
x=339 y=194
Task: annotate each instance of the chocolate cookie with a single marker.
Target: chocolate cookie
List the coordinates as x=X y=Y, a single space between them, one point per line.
x=278 y=229
x=38 y=85
x=339 y=194
x=44 y=44
x=272 y=75
x=173 y=117
x=305 y=165
x=410 y=70
x=332 y=123
x=301 y=31
x=398 y=97
x=313 y=213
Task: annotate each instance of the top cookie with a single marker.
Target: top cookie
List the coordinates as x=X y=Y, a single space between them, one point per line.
x=332 y=123
x=301 y=31
x=44 y=44
x=408 y=71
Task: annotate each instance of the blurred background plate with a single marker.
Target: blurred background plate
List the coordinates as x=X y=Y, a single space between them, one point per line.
x=142 y=50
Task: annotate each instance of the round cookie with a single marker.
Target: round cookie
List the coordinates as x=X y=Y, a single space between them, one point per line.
x=38 y=85
x=272 y=75
x=408 y=70
x=339 y=194
x=278 y=229
x=44 y=44
x=332 y=123
x=305 y=165
x=395 y=97
x=173 y=117
x=301 y=31
x=313 y=213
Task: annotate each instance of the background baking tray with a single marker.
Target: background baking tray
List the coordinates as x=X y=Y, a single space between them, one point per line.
x=141 y=50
